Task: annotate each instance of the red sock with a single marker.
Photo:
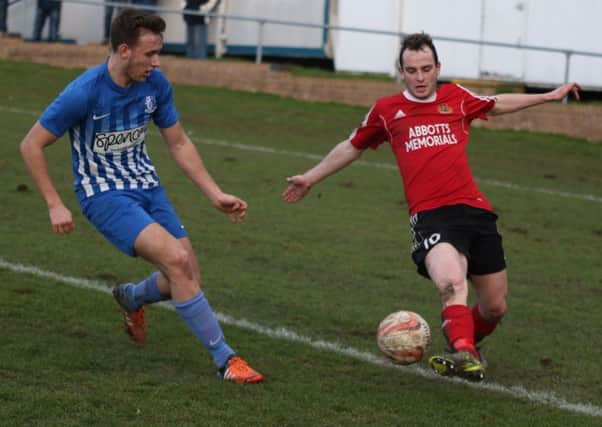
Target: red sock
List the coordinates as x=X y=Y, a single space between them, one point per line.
x=482 y=326
x=459 y=328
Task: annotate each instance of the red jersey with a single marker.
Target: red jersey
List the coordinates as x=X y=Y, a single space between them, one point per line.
x=429 y=138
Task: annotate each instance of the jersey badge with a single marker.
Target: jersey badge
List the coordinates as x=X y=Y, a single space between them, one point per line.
x=445 y=109
x=150 y=105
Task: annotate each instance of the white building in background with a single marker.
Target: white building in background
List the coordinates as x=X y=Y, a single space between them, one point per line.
x=554 y=24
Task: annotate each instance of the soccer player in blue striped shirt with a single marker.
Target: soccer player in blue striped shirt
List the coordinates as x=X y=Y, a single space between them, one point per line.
x=107 y=111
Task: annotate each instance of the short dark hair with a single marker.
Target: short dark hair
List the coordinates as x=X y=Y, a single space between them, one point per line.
x=126 y=26
x=417 y=41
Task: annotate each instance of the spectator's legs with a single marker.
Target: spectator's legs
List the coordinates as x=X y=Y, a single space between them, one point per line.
x=38 y=24
x=196 y=42
x=203 y=42
x=107 y=23
x=145 y=3
x=190 y=32
x=3 y=11
x=54 y=24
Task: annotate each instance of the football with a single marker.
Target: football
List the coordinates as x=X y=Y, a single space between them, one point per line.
x=404 y=337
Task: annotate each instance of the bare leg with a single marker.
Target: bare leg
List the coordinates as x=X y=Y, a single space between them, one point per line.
x=174 y=261
x=447 y=268
x=163 y=282
x=491 y=290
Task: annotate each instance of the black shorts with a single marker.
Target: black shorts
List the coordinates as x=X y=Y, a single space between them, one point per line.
x=472 y=231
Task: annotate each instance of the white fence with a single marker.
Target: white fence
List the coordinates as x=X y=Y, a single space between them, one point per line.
x=476 y=39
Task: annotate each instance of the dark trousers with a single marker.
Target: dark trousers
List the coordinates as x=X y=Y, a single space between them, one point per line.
x=53 y=15
x=145 y=3
x=196 y=41
x=3 y=14
x=108 y=20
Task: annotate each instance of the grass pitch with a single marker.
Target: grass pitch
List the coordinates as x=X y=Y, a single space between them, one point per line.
x=329 y=268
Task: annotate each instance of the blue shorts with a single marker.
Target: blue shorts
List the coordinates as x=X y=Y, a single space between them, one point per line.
x=120 y=215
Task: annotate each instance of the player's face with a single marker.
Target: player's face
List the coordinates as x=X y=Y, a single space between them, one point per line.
x=144 y=56
x=420 y=72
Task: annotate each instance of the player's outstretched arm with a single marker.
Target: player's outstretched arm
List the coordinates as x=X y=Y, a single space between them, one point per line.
x=511 y=102
x=32 y=151
x=189 y=160
x=341 y=155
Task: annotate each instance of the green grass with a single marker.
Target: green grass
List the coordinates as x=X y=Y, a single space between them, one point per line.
x=329 y=268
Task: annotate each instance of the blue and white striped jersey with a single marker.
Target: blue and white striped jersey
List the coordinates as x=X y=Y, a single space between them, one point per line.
x=107 y=127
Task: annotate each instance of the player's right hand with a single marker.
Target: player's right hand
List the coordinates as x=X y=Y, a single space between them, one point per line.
x=61 y=219
x=298 y=187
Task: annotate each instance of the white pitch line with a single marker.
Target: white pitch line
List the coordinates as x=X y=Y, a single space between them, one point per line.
x=388 y=166
x=518 y=392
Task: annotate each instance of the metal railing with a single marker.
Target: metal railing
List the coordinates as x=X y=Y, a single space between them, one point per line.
x=262 y=22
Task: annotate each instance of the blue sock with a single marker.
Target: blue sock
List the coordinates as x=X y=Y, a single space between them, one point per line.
x=199 y=317
x=145 y=292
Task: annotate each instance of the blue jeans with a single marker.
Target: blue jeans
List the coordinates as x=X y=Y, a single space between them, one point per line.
x=107 y=23
x=196 y=41
x=3 y=12
x=144 y=3
x=54 y=16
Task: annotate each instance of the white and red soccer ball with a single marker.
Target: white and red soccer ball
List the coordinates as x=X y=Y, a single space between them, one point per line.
x=404 y=337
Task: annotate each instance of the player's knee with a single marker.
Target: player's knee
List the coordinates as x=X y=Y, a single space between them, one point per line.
x=452 y=286
x=496 y=310
x=179 y=262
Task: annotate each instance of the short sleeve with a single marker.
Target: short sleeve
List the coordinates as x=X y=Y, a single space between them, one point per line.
x=66 y=111
x=166 y=114
x=476 y=106
x=371 y=132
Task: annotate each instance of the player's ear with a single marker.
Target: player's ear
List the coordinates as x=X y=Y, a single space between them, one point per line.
x=123 y=50
x=438 y=67
x=400 y=70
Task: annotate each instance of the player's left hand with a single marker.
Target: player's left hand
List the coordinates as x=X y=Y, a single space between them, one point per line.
x=235 y=207
x=561 y=92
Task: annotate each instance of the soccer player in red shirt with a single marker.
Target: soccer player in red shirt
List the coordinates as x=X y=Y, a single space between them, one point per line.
x=453 y=226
